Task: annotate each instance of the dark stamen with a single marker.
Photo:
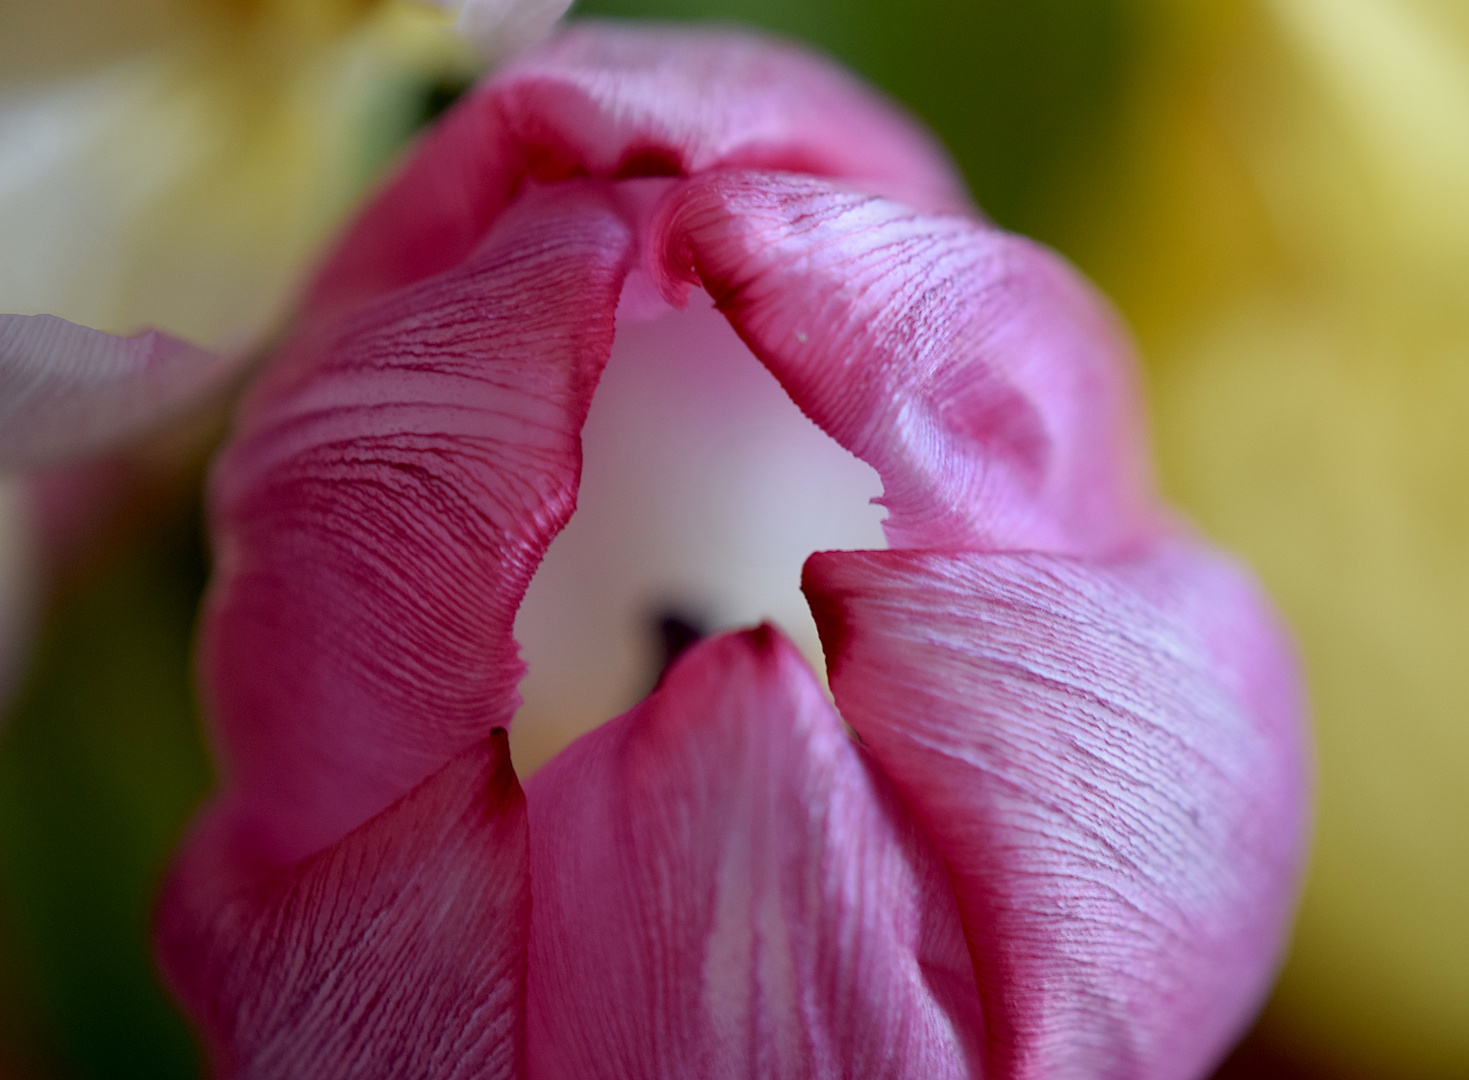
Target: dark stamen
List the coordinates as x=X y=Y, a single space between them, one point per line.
x=675 y=631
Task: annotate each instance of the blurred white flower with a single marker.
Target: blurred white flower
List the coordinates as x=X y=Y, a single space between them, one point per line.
x=186 y=183
x=501 y=27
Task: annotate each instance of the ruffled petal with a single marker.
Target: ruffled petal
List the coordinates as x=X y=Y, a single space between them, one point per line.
x=1110 y=760
x=398 y=951
x=68 y=390
x=394 y=482
x=975 y=371
x=722 y=887
x=604 y=100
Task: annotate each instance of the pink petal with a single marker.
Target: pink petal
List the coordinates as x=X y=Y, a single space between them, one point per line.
x=460 y=177
x=395 y=479
x=722 y=887
x=398 y=951
x=1110 y=761
x=68 y=390
x=610 y=100
x=975 y=371
x=604 y=100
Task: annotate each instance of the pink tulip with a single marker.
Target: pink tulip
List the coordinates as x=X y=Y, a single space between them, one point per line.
x=1066 y=839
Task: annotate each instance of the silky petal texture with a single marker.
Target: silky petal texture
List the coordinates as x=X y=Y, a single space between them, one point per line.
x=67 y=390
x=974 y=370
x=722 y=887
x=394 y=482
x=612 y=101
x=1110 y=760
x=399 y=951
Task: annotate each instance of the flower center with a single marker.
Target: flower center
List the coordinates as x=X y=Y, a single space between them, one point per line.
x=703 y=491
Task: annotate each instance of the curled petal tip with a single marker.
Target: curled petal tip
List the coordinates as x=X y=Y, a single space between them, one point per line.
x=975 y=371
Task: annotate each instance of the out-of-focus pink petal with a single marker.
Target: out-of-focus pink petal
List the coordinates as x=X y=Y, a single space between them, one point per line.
x=974 y=370
x=609 y=100
x=433 y=213
x=622 y=101
x=394 y=482
x=723 y=888
x=398 y=951
x=68 y=390
x=1110 y=761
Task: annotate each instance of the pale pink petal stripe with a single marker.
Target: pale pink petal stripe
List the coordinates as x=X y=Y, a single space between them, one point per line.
x=723 y=888
x=604 y=100
x=398 y=951
x=68 y=390
x=393 y=484
x=975 y=371
x=1110 y=760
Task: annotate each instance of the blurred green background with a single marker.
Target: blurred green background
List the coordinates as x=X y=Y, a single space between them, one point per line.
x=1274 y=191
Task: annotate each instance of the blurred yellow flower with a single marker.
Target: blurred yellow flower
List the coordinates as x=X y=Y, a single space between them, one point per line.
x=1289 y=234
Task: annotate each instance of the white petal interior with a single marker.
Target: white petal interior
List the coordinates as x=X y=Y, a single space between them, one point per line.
x=703 y=491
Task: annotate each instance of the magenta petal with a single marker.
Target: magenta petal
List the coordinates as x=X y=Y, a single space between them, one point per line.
x=398 y=951
x=610 y=100
x=1110 y=762
x=66 y=389
x=722 y=887
x=458 y=180
x=604 y=100
x=986 y=383
x=394 y=482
